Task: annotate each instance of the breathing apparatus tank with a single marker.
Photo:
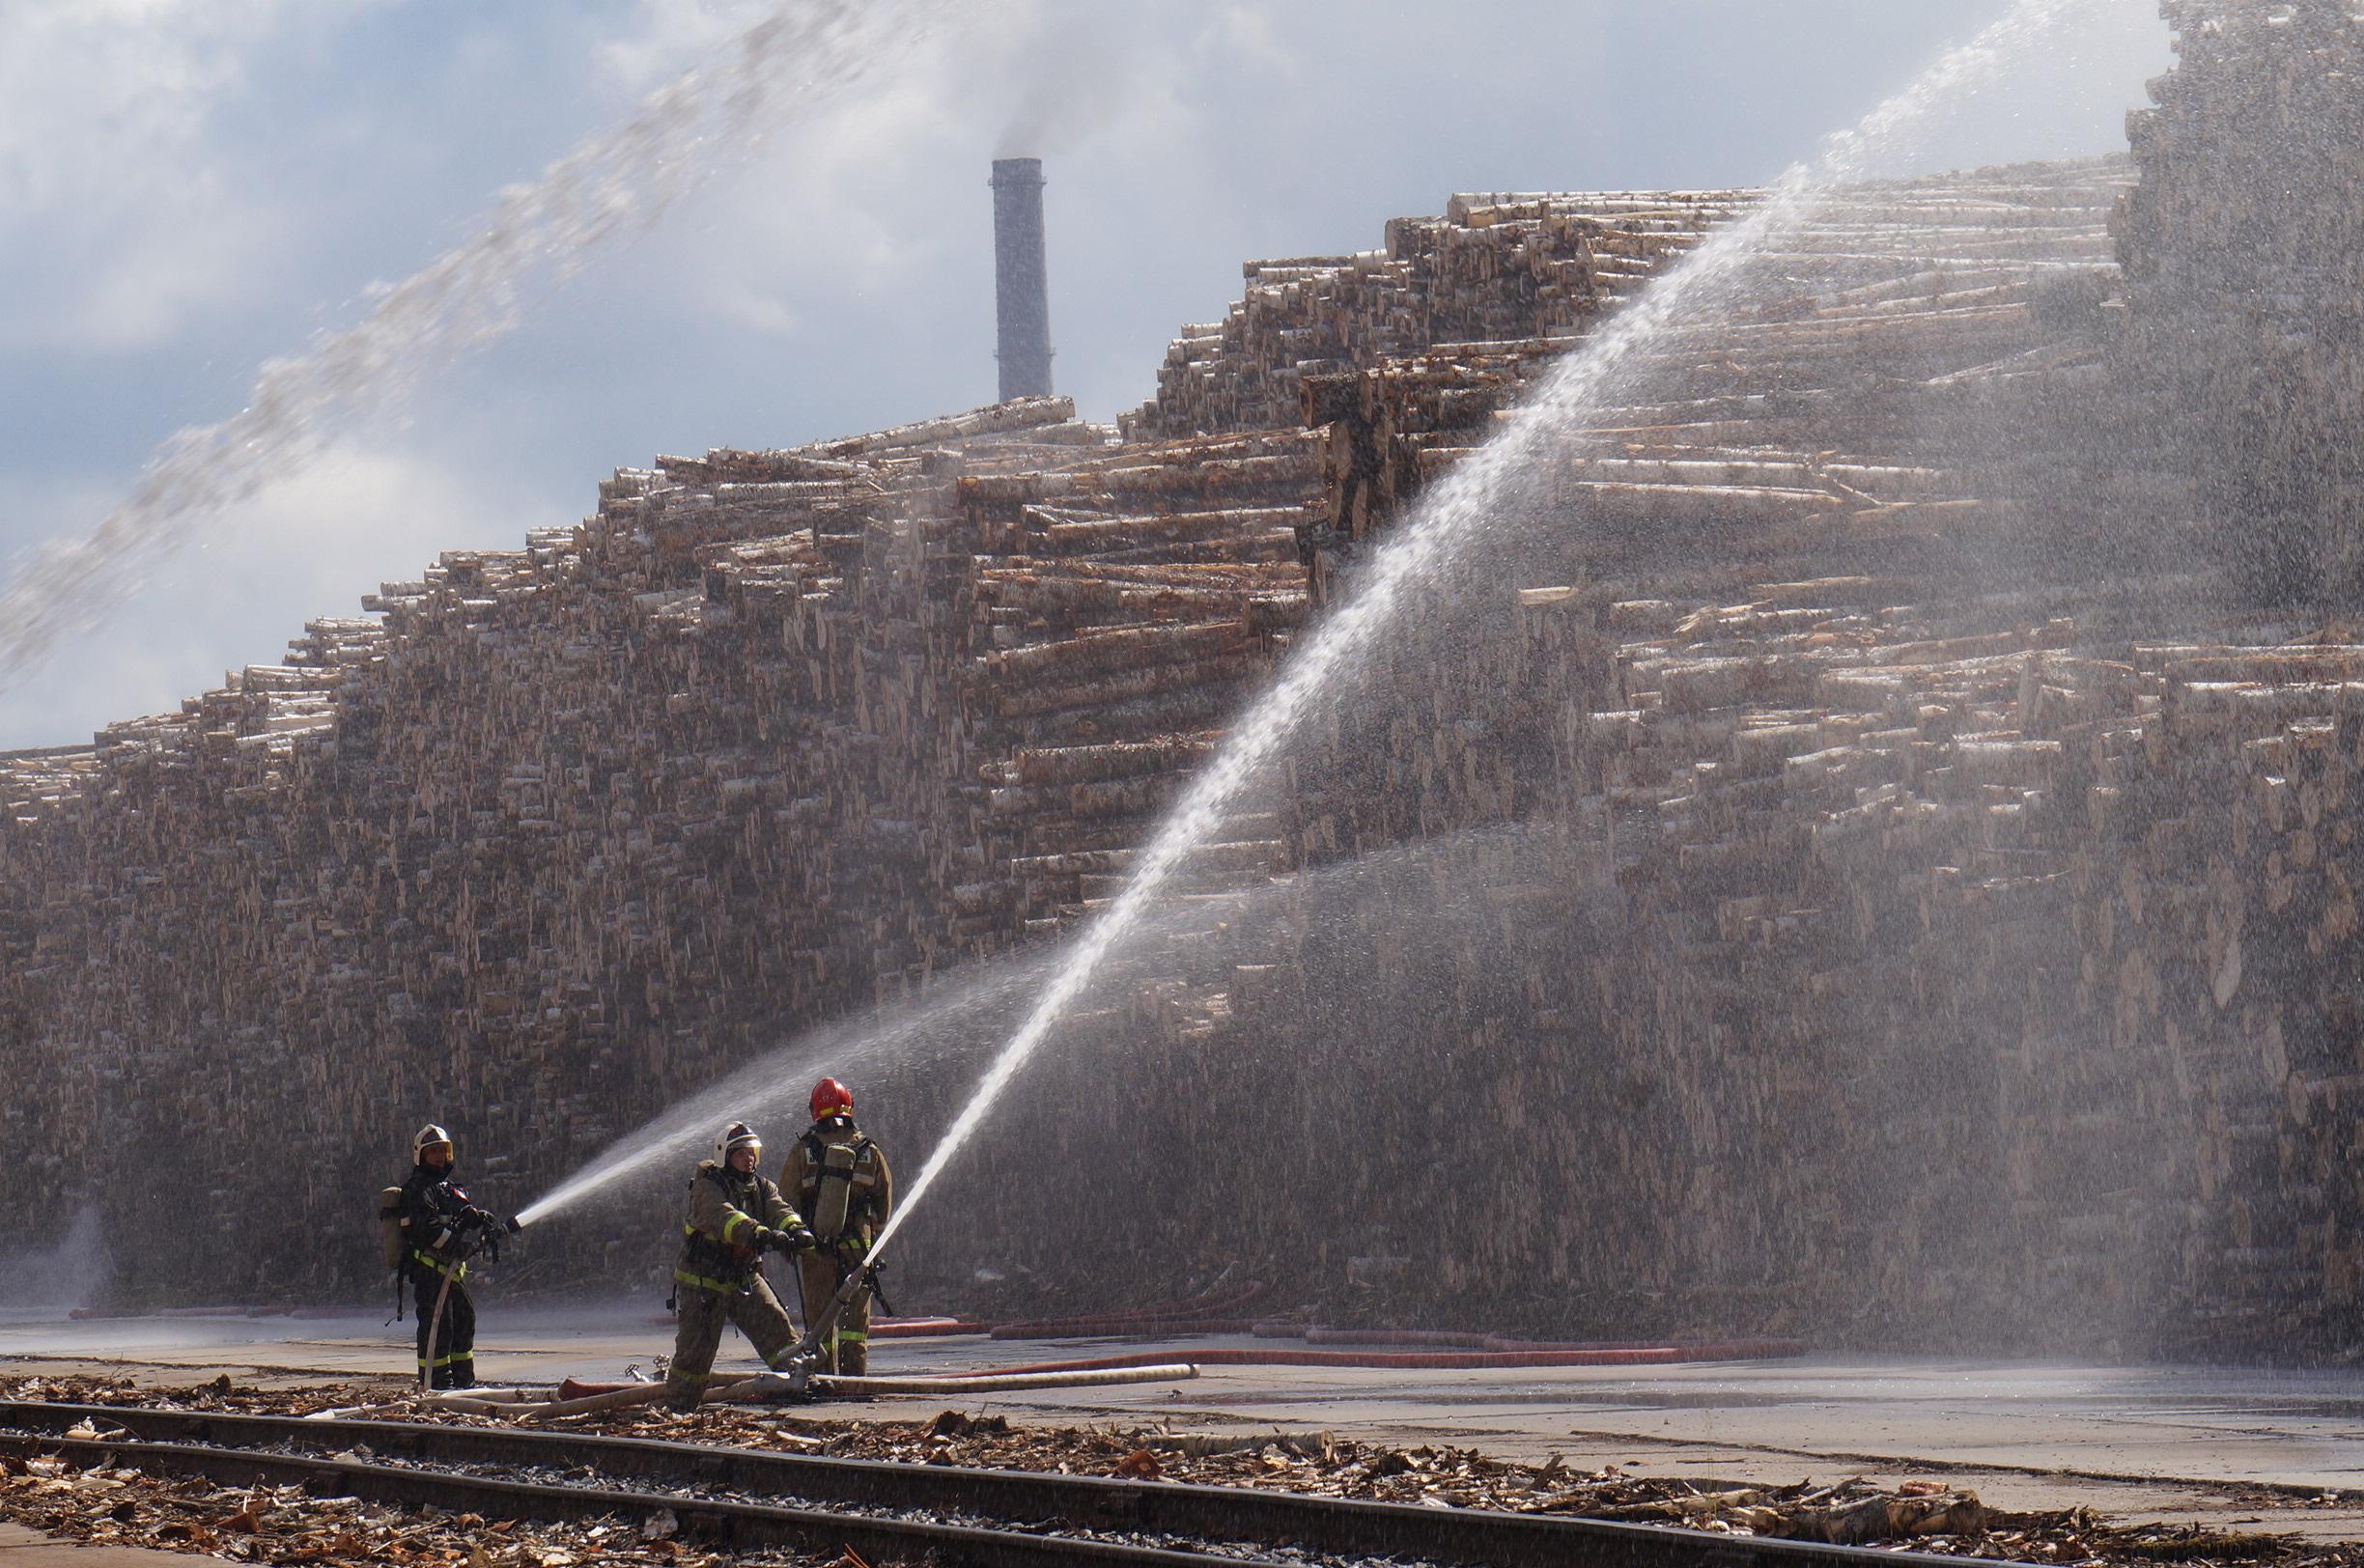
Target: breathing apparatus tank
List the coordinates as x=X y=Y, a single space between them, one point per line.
x=390 y=1240
x=832 y=1197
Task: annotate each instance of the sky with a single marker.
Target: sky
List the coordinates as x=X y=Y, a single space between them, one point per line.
x=191 y=190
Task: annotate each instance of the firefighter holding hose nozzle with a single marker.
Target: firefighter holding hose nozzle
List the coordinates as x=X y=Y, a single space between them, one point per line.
x=735 y=1218
x=839 y=1178
x=432 y=1230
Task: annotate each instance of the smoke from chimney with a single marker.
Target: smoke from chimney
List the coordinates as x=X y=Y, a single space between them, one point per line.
x=1022 y=280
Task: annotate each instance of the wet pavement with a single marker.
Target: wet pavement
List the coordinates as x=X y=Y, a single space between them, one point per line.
x=2219 y=1445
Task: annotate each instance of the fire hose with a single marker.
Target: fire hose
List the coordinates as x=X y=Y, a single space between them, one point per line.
x=473 y=1237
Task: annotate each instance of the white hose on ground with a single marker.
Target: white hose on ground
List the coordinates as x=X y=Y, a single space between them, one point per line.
x=614 y=1399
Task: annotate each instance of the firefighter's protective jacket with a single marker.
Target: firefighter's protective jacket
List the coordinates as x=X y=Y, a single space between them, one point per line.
x=870 y=1197
x=431 y=1209
x=728 y=1208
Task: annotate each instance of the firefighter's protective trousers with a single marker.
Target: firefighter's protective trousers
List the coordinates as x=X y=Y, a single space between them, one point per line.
x=449 y=1361
x=716 y=1282
x=703 y=1312
x=845 y=1348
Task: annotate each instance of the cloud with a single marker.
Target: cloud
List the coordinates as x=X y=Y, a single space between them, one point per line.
x=465 y=300
x=820 y=218
x=759 y=311
x=667 y=37
x=109 y=151
x=1244 y=36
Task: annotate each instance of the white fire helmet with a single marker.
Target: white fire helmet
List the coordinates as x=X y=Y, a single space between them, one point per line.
x=734 y=1137
x=426 y=1138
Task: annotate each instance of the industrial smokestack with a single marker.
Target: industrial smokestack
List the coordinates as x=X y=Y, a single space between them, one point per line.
x=1022 y=280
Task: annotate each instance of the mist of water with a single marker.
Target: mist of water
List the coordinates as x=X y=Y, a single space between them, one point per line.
x=57 y=1278
x=802 y=58
x=772 y=1087
x=958 y=1021
x=1707 y=285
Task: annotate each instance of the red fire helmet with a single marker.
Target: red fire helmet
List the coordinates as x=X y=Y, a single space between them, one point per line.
x=830 y=1097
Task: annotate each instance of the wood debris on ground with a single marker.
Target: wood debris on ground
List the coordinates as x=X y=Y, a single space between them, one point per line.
x=283 y=1525
x=118 y=1506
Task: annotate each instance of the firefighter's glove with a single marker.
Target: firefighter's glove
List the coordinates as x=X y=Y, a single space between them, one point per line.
x=477 y=1219
x=800 y=1238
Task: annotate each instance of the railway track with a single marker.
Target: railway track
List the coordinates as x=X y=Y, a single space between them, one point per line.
x=740 y=1499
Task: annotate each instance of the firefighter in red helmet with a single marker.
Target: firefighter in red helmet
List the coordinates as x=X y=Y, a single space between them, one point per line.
x=837 y=1177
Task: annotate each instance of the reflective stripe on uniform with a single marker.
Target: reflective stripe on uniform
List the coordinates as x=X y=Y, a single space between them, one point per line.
x=458 y=1271
x=731 y=1225
x=453 y=1360
x=720 y=1287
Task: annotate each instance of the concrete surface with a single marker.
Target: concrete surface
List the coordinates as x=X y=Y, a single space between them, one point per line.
x=21 y=1548
x=2242 y=1447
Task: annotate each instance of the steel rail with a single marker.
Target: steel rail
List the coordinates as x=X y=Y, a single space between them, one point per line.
x=721 y=1523
x=1331 y=1526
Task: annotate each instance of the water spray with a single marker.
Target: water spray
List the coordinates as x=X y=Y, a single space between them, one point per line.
x=752 y=1090
x=1470 y=494
x=964 y=1008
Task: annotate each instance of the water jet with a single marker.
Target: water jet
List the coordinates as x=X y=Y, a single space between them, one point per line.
x=1458 y=507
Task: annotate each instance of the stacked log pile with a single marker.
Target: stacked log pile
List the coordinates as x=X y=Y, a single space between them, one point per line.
x=1791 y=919
x=2013 y=969
x=1502 y=266
x=1766 y=883
x=2245 y=276
x=1125 y=608
x=1944 y=317
x=1817 y=875
x=771 y=738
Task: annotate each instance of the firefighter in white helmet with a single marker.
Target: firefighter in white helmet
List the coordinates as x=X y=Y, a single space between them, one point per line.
x=735 y=1218
x=439 y=1229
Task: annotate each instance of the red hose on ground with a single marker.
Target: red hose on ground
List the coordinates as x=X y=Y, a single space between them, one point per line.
x=925 y=1328
x=1437 y=1338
